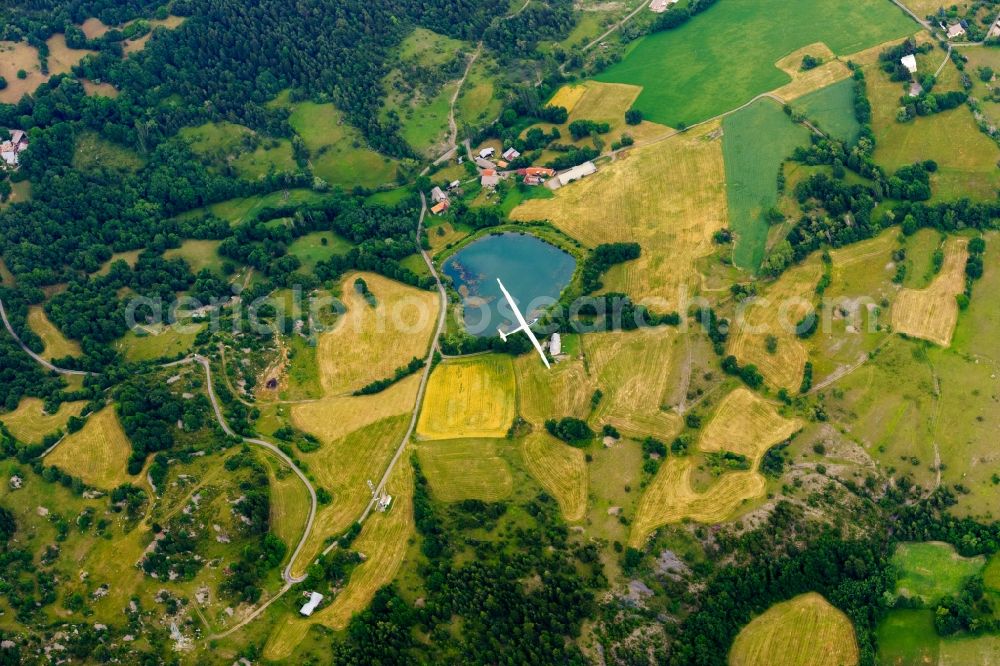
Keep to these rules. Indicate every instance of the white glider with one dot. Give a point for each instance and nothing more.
(523, 326)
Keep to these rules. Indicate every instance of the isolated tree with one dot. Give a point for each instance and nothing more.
(633, 116)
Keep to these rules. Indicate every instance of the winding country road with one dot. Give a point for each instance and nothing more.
(41, 361)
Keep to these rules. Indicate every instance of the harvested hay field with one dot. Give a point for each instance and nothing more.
(13, 57)
(98, 453)
(670, 197)
(804, 82)
(776, 314)
(603, 103)
(334, 417)
(344, 467)
(63, 59)
(669, 498)
(804, 631)
(632, 371)
(568, 96)
(561, 469)
(542, 394)
(56, 344)
(368, 343)
(465, 469)
(383, 541)
(440, 235)
(931, 313)
(469, 398)
(289, 502)
(746, 424)
(30, 424)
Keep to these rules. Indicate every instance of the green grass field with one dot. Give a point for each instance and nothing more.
(832, 110)
(199, 254)
(465, 469)
(477, 104)
(311, 249)
(907, 638)
(752, 171)
(166, 342)
(932, 570)
(337, 150)
(727, 54)
(93, 152)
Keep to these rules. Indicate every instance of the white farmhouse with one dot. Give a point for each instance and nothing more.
(310, 606)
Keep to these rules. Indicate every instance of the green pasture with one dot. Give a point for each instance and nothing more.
(316, 247)
(907, 638)
(832, 110)
(932, 570)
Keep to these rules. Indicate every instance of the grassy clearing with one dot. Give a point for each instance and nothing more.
(965, 168)
(776, 314)
(804, 631)
(477, 104)
(469, 398)
(560, 469)
(809, 81)
(153, 342)
(669, 498)
(383, 541)
(19, 193)
(244, 208)
(100, 89)
(199, 254)
(13, 57)
(464, 469)
(727, 53)
(367, 344)
(30, 424)
(931, 313)
(832, 110)
(632, 371)
(746, 424)
(338, 152)
(443, 234)
(565, 390)
(63, 59)
(136, 45)
(605, 103)
(226, 142)
(932, 570)
(752, 172)
(98, 453)
(333, 417)
(908, 638)
(669, 197)
(56, 344)
(93, 152)
(316, 247)
(289, 502)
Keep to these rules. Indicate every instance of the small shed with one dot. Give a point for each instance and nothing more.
(440, 207)
(308, 608)
(453, 184)
(487, 152)
(511, 154)
(555, 344)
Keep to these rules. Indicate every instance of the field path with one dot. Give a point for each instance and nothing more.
(41, 361)
(379, 489)
(452, 125)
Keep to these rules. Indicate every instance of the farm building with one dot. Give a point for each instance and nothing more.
(511, 154)
(660, 6)
(502, 164)
(555, 344)
(440, 207)
(490, 178)
(910, 63)
(383, 503)
(438, 195)
(487, 152)
(483, 163)
(454, 184)
(577, 172)
(543, 172)
(532, 180)
(955, 30)
(10, 150)
(308, 608)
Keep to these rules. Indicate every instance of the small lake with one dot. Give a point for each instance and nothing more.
(534, 272)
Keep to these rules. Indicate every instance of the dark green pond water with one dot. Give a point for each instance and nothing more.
(534, 272)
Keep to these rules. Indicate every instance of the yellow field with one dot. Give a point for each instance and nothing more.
(776, 313)
(670, 197)
(669, 498)
(564, 390)
(465, 469)
(562, 471)
(931, 313)
(632, 371)
(289, 502)
(30, 424)
(383, 541)
(603, 103)
(93, 28)
(98, 453)
(450, 235)
(746, 424)
(804, 631)
(62, 59)
(831, 71)
(368, 344)
(344, 467)
(56, 344)
(469, 398)
(568, 96)
(334, 417)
